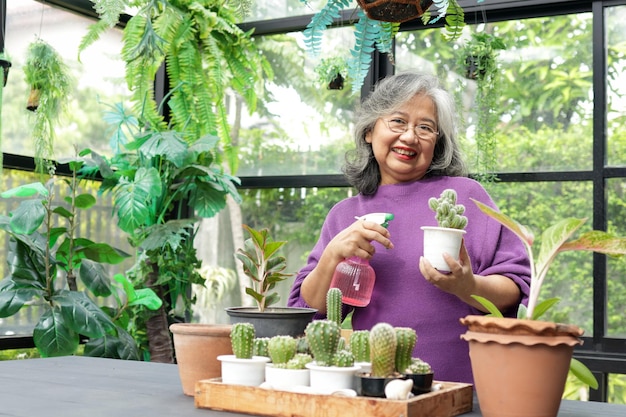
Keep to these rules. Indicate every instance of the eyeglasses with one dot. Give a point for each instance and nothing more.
(422, 131)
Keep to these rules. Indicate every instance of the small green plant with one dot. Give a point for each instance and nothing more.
(406, 338)
(242, 340)
(447, 212)
(263, 265)
(323, 339)
(360, 345)
(383, 344)
(299, 361)
(418, 367)
(331, 72)
(281, 349)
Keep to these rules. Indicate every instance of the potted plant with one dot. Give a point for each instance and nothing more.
(332, 72)
(421, 373)
(242, 367)
(5, 64)
(287, 368)
(62, 273)
(264, 265)
(478, 61)
(50, 86)
(543, 350)
(376, 28)
(447, 237)
(360, 348)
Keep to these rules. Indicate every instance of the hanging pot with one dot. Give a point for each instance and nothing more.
(6, 65)
(394, 10)
(520, 366)
(33, 99)
(336, 83)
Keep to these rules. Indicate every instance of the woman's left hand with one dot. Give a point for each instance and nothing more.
(460, 281)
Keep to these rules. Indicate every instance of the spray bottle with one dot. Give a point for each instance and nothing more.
(355, 276)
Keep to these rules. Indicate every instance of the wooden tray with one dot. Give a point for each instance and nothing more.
(451, 400)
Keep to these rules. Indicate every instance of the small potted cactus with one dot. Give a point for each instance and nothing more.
(421, 374)
(288, 367)
(447, 237)
(333, 365)
(242, 367)
(360, 348)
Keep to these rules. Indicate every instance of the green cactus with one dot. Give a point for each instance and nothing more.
(417, 366)
(242, 340)
(333, 305)
(323, 338)
(360, 345)
(299, 361)
(383, 350)
(259, 346)
(281, 349)
(302, 346)
(447, 212)
(343, 358)
(405, 342)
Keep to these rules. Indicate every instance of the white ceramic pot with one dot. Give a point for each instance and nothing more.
(440, 240)
(250, 372)
(286, 379)
(327, 379)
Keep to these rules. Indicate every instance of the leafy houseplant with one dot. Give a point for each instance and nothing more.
(478, 60)
(447, 237)
(332, 72)
(47, 261)
(263, 264)
(50, 82)
(374, 31)
(544, 348)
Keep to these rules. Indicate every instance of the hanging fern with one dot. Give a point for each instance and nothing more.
(320, 22)
(366, 32)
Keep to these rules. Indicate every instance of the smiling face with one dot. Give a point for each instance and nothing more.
(403, 157)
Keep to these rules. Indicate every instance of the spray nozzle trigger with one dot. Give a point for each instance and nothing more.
(380, 218)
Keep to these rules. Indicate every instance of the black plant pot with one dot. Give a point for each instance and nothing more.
(371, 386)
(336, 83)
(422, 383)
(289, 321)
(6, 65)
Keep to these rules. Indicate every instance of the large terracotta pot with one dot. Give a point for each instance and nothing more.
(197, 347)
(519, 366)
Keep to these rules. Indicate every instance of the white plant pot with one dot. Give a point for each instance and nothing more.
(440, 240)
(250, 372)
(328, 379)
(286, 379)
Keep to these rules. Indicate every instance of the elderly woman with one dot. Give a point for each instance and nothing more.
(406, 152)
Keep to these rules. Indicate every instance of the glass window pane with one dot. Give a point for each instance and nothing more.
(616, 88)
(276, 9)
(545, 100)
(616, 267)
(98, 77)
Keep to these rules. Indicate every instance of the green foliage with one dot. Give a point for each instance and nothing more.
(447, 212)
(47, 260)
(263, 264)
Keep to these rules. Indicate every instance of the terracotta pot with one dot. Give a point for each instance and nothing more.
(519, 366)
(394, 10)
(197, 347)
(438, 240)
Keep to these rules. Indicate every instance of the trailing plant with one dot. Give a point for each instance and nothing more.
(51, 84)
(47, 261)
(447, 212)
(554, 240)
(371, 34)
(263, 264)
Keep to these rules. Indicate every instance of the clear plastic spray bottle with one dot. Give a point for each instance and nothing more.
(355, 276)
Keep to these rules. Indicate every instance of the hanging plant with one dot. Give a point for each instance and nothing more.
(332, 72)
(478, 62)
(50, 85)
(5, 63)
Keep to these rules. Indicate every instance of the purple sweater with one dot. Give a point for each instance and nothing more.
(402, 296)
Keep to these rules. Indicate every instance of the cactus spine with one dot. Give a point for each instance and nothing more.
(383, 350)
(360, 345)
(447, 212)
(323, 338)
(405, 342)
(242, 340)
(333, 305)
(281, 349)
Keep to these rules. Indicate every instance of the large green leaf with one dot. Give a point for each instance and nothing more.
(132, 198)
(28, 216)
(146, 297)
(26, 190)
(25, 260)
(122, 346)
(169, 234)
(95, 278)
(207, 201)
(53, 337)
(167, 144)
(104, 253)
(13, 298)
(82, 315)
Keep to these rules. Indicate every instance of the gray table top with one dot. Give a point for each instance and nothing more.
(81, 386)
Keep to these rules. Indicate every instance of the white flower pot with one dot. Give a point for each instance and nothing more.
(327, 379)
(440, 240)
(250, 372)
(286, 379)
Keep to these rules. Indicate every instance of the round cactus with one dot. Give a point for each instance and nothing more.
(383, 350)
(259, 346)
(447, 212)
(299, 361)
(417, 366)
(333, 305)
(405, 342)
(281, 349)
(242, 340)
(343, 358)
(360, 345)
(323, 338)
(302, 346)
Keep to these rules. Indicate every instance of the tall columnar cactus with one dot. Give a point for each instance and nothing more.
(405, 342)
(333, 305)
(281, 349)
(360, 345)
(323, 338)
(447, 212)
(383, 350)
(242, 339)
(343, 358)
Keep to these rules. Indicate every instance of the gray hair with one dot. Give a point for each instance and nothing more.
(362, 170)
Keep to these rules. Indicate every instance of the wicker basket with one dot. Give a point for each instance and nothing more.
(394, 10)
